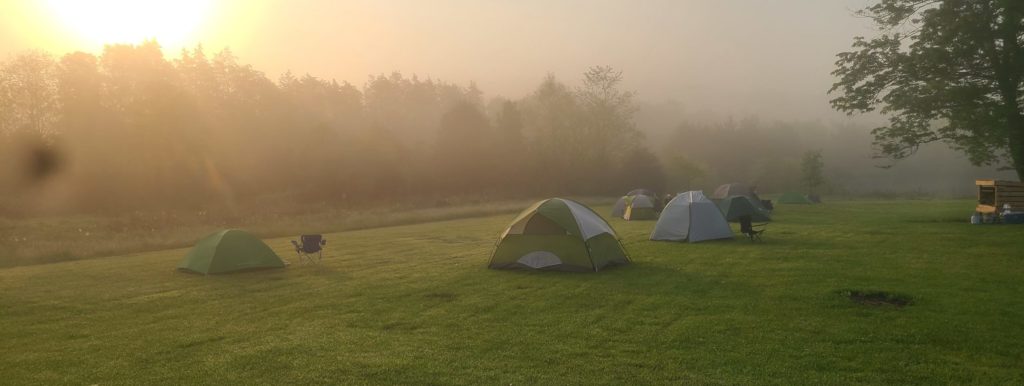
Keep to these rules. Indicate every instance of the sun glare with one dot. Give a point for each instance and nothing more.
(99, 22)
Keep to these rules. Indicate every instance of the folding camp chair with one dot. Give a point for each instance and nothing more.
(753, 231)
(308, 245)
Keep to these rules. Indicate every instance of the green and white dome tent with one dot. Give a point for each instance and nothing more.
(691, 217)
(734, 207)
(560, 235)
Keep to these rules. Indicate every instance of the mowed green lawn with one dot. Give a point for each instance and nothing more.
(416, 305)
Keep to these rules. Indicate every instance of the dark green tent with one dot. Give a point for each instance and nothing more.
(561, 235)
(735, 189)
(793, 198)
(229, 250)
(738, 189)
(734, 207)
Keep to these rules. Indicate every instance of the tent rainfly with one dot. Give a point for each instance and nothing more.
(229, 250)
(691, 217)
(734, 207)
(734, 189)
(560, 235)
(739, 189)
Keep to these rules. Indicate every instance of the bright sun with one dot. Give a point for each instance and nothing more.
(98, 22)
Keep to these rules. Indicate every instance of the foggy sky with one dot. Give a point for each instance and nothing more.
(735, 57)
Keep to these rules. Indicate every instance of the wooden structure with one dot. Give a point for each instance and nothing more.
(993, 194)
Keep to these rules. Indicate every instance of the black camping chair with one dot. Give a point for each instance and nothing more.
(753, 231)
(308, 245)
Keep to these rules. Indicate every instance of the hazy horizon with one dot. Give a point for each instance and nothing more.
(725, 91)
(733, 58)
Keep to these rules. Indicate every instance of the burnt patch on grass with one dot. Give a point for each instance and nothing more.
(877, 298)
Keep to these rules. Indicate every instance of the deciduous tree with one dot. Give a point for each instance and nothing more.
(811, 168)
(941, 70)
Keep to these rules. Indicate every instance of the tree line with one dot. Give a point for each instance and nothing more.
(129, 128)
(132, 129)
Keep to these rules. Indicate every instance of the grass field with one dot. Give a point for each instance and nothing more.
(416, 305)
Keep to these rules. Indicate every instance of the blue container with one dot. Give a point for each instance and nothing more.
(1013, 218)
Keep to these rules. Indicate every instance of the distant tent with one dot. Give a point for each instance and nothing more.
(623, 203)
(229, 250)
(815, 198)
(560, 235)
(619, 209)
(734, 207)
(734, 189)
(639, 207)
(692, 217)
(739, 189)
(793, 198)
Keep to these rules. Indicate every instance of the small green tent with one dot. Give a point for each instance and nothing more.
(734, 207)
(738, 189)
(793, 198)
(561, 235)
(229, 250)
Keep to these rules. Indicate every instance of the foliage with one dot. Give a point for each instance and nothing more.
(811, 170)
(551, 115)
(942, 70)
(684, 173)
(769, 154)
(463, 149)
(736, 151)
(140, 131)
(28, 94)
(640, 169)
(607, 133)
(509, 124)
